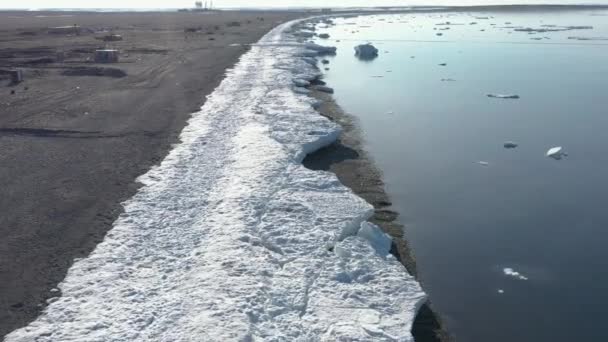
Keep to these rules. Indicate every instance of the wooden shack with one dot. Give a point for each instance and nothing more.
(15, 75)
(106, 56)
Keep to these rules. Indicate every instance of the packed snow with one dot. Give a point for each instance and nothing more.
(231, 238)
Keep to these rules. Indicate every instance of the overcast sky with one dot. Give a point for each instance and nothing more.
(259, 3)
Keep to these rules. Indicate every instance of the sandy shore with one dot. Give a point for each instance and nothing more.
(348, 159)
(74, 137)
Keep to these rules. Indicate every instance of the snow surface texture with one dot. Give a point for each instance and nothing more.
(231, 238)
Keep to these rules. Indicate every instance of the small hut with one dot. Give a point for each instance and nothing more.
(106, 56)
(16, 76)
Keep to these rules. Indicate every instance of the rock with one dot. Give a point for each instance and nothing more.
(510, 144)
(324, 35)
(325, 61)
(439, 34)
(366, 51)
(304, 34)
(320, 49)
(443, 64)
(556, 153)
(324, 89)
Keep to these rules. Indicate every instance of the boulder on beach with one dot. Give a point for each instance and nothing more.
(324, 35)
(366, 51)
(510, 144)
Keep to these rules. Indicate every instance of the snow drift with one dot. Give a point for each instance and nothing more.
(231, 238)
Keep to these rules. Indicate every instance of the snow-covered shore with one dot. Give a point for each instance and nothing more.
(231, 238)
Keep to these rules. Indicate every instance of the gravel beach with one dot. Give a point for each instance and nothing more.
(75, 135)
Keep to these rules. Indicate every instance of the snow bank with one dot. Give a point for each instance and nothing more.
(231, 238)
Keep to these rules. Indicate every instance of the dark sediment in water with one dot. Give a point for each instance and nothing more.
(349, 161)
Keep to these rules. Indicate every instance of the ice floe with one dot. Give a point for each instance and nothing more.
(230, 238)
(503, 96)
(512, 273)
(556, 153)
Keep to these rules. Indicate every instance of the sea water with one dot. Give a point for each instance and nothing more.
(510, 244)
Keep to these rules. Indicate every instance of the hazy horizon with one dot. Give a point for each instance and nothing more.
(141, 4)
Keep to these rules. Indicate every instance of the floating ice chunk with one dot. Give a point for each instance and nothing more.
(501, 291)
(510, 144)
(300, 82)
(556, 153)
(503, 96)
(482, 163)
(376, 237)
(512, 273)
(366, 51)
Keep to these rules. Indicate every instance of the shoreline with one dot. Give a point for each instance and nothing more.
(350, 162)
(316, 266)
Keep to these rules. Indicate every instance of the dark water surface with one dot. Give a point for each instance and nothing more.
(544, 218)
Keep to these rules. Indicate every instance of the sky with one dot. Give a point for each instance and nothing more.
(263, 3)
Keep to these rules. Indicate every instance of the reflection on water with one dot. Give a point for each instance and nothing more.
(510, 244)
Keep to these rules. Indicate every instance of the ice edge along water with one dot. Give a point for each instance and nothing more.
(231, 238)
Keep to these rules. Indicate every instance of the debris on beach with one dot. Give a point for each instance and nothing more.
(556, 153)
(510, 144)
(512, 273)
(503, 96)
(366, 51)
(106, 56)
